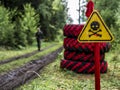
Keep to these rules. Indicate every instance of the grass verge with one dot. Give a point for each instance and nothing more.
(15, 64)
(54, 78)
(4, 54)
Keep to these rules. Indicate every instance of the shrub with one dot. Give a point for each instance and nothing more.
(6, 28)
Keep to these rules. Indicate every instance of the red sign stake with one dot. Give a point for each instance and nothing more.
(83, 37)
(97, 66)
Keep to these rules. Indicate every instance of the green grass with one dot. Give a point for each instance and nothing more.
(15, 64)
(4, 54)
(54, 78)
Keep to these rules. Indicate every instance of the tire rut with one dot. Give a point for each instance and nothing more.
(23, 56)
(20, 75)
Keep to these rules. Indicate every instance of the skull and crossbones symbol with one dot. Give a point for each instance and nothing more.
(95, 29)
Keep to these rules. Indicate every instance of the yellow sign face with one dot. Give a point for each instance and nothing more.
(95, 30)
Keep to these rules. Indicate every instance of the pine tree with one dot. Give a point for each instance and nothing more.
(29, 23)
(6, 28)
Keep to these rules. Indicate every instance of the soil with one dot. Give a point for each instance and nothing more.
(21, 75)
(23, 56)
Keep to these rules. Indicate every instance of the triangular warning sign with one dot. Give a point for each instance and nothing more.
(95, 30)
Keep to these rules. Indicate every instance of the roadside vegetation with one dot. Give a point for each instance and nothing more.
(4, 54)
(53, 77)
(17, 63)
(19, 20)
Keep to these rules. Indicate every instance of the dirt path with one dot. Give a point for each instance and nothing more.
(23, 56)
(19, 76)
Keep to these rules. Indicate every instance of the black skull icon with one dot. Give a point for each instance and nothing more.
(95, 28)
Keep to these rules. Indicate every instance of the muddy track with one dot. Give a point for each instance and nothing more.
(23, 56)
(19, 76)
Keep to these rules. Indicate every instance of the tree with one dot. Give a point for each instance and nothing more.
(117, 31)
(58, 19)
(107, 10)
(29, 23)
(110, 12)
(12, 4)
(52, 16)
(6, 28)
(23, 20)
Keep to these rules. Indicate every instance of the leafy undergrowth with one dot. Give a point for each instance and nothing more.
(54, 78)
(15, 64)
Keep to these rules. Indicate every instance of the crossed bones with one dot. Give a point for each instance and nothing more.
(95, 33)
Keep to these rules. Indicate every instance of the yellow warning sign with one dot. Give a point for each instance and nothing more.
(95, 30)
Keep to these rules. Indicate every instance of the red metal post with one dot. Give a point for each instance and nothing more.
(97, 66)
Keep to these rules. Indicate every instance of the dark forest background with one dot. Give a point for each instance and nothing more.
(19, 20)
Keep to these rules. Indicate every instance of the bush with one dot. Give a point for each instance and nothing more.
(29, 23)
(6, 28)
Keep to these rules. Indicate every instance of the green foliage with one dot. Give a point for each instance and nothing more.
(19, 36)
(52, 18)
(116, 29)
(29, 23)
(55, 78)
(107, 10)
(59, 13)
(20, 62)
(45, 12)
(110, 12)
(24, 20)
(6, 28)
(12, 4)
(21, 31)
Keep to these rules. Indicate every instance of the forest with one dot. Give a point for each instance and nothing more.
(62, 63)
(20, 19)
